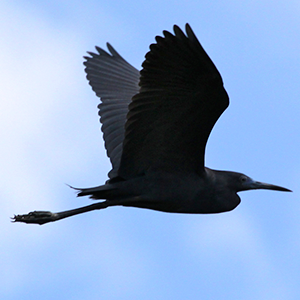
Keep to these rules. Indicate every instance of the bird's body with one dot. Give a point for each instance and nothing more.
(170, 192)
(155, 125)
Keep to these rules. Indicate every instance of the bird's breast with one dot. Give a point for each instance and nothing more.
(181, 193)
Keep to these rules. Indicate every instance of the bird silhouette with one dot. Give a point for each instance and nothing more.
(155, 125)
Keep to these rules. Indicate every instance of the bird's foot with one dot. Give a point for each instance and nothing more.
(35, 217)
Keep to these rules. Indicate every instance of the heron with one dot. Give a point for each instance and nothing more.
(155, 126)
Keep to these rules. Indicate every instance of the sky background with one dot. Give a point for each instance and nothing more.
(50, 136)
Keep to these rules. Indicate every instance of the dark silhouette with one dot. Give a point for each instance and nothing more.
(155, 125)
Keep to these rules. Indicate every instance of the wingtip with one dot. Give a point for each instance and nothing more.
(179, 33)
(189, 31)
(112, 50)
(188, 27)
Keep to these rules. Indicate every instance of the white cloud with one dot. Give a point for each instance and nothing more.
(231, 242)
(37, 79)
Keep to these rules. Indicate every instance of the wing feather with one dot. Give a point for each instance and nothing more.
(180, 99)
(115, 81)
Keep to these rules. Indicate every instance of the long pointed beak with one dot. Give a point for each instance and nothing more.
(267, 186)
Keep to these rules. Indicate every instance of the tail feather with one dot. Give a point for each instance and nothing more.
(98, 192)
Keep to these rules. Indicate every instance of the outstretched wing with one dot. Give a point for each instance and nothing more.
(180, 99)
(115, 81)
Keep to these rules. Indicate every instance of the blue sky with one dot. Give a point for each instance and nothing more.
(50, 136)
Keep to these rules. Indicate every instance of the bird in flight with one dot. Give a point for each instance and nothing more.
(155, 126)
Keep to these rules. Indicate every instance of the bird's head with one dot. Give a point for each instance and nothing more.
(241, 182)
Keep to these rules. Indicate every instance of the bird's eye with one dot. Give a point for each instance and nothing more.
(243, 179)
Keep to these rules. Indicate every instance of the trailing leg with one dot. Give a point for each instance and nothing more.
(42, 217)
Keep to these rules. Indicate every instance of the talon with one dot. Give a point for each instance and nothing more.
(35, 217)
